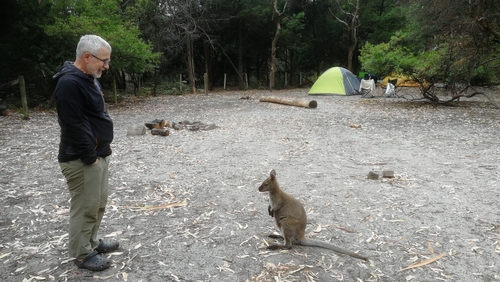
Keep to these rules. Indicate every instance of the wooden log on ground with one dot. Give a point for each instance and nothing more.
(160, 131)
(291, 102)
(372, 175)
(388, 174)
(157, 123)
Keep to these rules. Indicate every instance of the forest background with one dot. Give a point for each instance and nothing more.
(249, 44)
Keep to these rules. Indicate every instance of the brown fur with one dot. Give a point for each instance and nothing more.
(291, 219)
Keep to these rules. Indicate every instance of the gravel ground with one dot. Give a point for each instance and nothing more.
(185, 207)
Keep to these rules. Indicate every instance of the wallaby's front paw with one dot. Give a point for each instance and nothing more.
(270, 210)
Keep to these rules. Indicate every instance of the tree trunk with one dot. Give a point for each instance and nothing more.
(353, 36)
(350, 55)
(123, 79)
(208, 64)
(351, 25)
(277, 23)
(292, 68)
(272, 72)
(190, 62)
(241, 81)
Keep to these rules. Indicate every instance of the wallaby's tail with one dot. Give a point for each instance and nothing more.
(326, 245)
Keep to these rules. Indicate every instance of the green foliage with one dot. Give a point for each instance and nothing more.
(380, 20)
(481, 76)
(38, 36)
(443, 63)
(167, 87)
(292, 30)
(431, 40)
(25, 49)
(387, 58)
(254, 83)
(130, 53)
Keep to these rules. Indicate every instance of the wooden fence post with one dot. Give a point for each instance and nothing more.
(24, 101)
(115, 93)
(205, 78)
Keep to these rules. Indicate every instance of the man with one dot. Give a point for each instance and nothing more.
(84, 149)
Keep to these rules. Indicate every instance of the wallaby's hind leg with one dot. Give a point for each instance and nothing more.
(275, 246)
(289, 234)
(287, 245)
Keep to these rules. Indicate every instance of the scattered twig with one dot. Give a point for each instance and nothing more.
(422, 263)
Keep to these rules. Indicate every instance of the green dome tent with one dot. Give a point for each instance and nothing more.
(335, 81)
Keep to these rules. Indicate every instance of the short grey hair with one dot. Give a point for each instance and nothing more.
(92, 44)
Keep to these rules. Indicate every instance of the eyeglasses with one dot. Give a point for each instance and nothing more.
(106, 62)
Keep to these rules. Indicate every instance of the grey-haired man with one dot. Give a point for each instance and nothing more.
(84, 149)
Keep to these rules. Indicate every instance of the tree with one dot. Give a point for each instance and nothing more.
(251, 23)
(277, 23)
(295, 42)
(458, 51)
(183, 29)
(381, 19)
(38, 36)
(464, 35)
(158, 39)
(130, 54)
(27, 50)
(485, 15)
(350, 19)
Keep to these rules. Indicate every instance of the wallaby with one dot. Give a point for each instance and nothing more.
(291, 219)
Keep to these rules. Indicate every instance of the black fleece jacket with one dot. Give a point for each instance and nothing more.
(86, 128)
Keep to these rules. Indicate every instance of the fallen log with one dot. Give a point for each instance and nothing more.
(160, 131)
(157, 123)
(291, 102)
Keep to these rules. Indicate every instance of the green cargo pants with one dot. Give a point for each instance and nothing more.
(88, 188)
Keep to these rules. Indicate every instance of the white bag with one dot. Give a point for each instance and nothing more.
(389, 91)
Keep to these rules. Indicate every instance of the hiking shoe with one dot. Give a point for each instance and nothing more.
(94, 262)
(106, 247)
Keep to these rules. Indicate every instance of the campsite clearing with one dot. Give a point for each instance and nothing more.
(185, 207)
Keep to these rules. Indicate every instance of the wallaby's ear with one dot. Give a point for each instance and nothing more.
(273, 173)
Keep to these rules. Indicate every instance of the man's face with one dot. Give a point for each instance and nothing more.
(99, 62)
